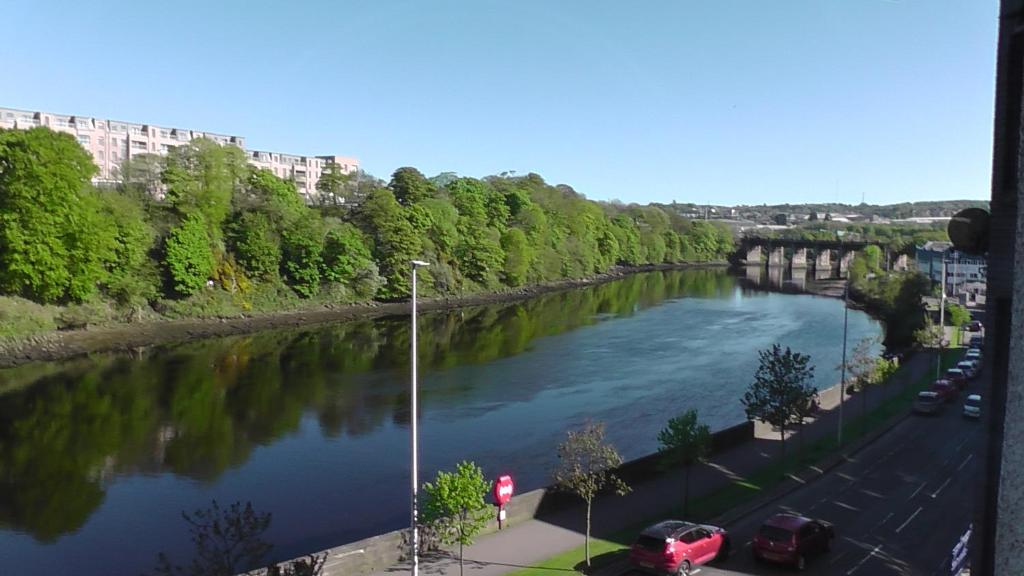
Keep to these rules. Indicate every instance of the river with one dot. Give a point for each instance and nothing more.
(100, 456)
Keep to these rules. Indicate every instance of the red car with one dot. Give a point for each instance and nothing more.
(946, 390)
(675, 547)
(791, 539)
(957, 377)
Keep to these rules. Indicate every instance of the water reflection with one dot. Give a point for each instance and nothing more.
(196, 410)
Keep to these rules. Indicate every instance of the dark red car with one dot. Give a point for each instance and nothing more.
(957, 377)
(675, 547)
(791, 539)
(946, 390)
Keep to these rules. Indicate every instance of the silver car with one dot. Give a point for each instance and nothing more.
(928, 402)
(972, 406)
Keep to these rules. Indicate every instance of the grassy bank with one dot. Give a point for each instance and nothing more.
(613, 547)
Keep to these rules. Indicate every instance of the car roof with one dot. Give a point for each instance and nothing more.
(666, 528)
(787, 521)
(927, 394)
(953, 370)
(975, 397)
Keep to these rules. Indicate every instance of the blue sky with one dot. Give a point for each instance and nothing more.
(714, 101)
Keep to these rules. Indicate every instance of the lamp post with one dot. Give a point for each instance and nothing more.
(842, 378)
(942, 320)
(412, 431)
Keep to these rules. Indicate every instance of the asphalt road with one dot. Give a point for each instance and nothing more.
(899, 507)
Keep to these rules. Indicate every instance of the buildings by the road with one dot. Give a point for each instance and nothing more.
(111, 142)
(966, 274)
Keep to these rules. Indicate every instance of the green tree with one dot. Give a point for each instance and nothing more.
(958, 315)
(201, 177)
(585, 464)
(332, 187)
(47, 251)
(781, 390)
(685, 441)
(395, 242)
(862, 371)
(347, 260)
(302, 247)
(227, 542)
(256, 244)
(517, 256)
(133, 277)
(188, 258)
(410, 186)
(455, 506)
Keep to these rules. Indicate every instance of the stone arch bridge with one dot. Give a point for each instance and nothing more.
(801, 254)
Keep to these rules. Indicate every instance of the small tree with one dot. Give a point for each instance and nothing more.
(685, 441)
(958, 315)
(862, 369)
(585, 462)
(930, 335)
(227, 541)
(455, 506)
(781, 393)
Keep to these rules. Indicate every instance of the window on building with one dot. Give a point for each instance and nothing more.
(83, 139)
(114, 155)
(101, 141)
(83, 124)
(114, 127)
(138, 145)
(100, 155)
(62, 122)
(136, 130)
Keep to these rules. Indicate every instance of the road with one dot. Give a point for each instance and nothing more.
(899, 506)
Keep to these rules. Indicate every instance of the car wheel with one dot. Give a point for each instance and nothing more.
(684, 568)
(801, 563)
(724, 551)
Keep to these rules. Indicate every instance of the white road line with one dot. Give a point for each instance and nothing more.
(847, 506)
(863, 560)
(962, 444)
(912, 516)
(886, 519)
(944, 484)
(964, 463)
(872, 493)
(919, 488)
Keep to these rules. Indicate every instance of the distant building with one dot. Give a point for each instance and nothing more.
(110, 142)
(966, 274)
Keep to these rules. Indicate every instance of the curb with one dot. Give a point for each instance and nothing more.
(822, 468)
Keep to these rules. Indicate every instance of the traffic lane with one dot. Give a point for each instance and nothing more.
(898, 508)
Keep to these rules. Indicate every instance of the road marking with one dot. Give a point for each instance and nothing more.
(863, 560)
(964, 463)
(962, 443)
(872, 493)
(912, 516)
(944, 484)
(886, 519)
(847, 506)
(837, 557)
(919, 488)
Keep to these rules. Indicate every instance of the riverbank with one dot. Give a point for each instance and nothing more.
(60, 345)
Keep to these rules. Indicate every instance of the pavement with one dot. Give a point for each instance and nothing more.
(903, 460)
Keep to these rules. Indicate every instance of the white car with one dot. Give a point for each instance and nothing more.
(968, 367)
(972, 406)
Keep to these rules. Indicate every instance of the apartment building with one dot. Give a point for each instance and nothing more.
(966, 274)
(110, 142)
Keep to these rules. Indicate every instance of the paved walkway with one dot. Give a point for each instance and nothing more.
(538, 539)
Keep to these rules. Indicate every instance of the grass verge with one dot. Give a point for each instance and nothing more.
(612, 547)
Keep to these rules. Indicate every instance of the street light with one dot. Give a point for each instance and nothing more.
(412, 431)
(842, 378)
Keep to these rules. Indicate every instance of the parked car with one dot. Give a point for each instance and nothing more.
(977, 343)
(956, 376)
(675, 547)
(928, 402)
(974, 326)
(972, 406)
(973, 354)
(946, 390)
(969, 368)
(791, 539)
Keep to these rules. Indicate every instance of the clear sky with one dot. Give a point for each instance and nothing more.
(713, 101)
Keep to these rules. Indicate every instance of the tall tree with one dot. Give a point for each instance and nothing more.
(454, 504)
(54, 240)
(410, 186)
(395, 242)
(585, 463)
(332, 187)
(188, 258)
(201, 177)
(781, 389)
(685, 441)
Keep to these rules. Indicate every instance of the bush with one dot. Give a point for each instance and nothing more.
(21, 318)
(189, 261)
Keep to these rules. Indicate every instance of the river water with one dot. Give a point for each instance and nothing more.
(100, 456)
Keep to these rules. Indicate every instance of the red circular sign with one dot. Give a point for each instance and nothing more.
(503, 488)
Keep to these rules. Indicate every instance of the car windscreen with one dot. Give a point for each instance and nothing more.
(650, 543)
(776, 534)
(972, 403)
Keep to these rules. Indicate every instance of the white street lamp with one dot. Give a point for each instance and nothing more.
(412, 431)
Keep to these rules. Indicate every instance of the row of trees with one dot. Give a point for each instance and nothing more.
(201, 222)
